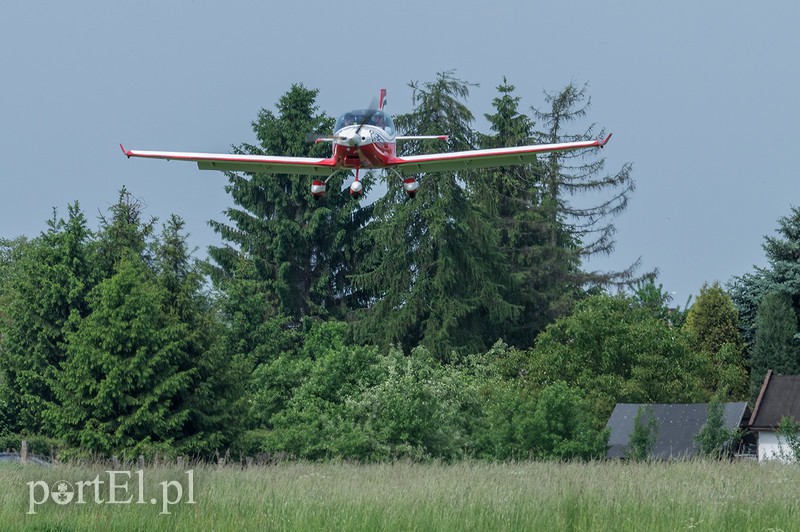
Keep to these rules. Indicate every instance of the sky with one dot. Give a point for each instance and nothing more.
(701, 97)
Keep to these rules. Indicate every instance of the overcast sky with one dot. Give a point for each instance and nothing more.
(702, 98)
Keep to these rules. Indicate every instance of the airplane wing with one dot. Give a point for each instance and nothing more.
(489, 158)
(243, 163)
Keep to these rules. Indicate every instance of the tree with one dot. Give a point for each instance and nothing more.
(215, 400)
(789, 432)
(653, 297)
(511, 197)
(782, 275)
(563, 428)
(644, 434)
(714, 440)
(713, 320)
(434, 270)
(46, 281)
(301, 248)
(775, 346)
(713, 327)
(578, 233)
(124, 377)
(618, 352)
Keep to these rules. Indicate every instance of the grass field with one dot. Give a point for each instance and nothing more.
(406, 496)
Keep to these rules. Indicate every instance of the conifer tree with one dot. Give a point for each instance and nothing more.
(512, 197)
(47, 282)
(775, 346)
(301, 248)
(578, 233)
(214, 400)
(124, 375)
(781, 275)
(435, 271)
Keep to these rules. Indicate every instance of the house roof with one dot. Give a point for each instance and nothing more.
(677, 426)
(779, 397)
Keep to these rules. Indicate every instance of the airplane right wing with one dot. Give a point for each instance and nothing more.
(488, 158)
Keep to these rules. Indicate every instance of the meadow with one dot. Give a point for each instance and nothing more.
(616, 496)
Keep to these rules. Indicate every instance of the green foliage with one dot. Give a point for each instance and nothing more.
(775, 346)
(45, 281)
(420, 410)
(434, 269)
(713, 328)
(563, 427)
(714, 440)
(782, 275)
(713, 320)
(618, 352)
(542, 273)
(109, 342)
(123, 374)
(42, 446)
(789, 433)
(301, 248)
(644, 435)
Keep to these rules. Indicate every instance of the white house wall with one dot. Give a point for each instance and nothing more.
(772, 447)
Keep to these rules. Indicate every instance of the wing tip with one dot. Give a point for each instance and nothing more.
(603, 142)
(126, 152)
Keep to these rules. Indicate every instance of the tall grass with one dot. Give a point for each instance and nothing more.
(407, 496)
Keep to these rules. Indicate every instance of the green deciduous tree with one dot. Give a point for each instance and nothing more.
(714, 440)
(713, 320)
(618, 351)
(644, 434)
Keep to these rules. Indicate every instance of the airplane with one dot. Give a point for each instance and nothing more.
(366, 138)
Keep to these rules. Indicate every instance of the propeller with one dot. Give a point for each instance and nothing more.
(372, 109)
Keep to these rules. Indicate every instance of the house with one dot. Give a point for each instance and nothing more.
(779, 397)
(676, 424)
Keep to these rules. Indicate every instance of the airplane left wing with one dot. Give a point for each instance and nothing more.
(489, 158)
(243, 163)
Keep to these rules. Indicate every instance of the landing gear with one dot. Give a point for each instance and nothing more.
(411, 186)
(356, 188)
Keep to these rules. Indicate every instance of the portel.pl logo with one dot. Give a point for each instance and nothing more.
(113, 490)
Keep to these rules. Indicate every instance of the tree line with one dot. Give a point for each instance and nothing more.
(458, 324)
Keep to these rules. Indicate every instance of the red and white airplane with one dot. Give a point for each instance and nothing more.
(366, 138)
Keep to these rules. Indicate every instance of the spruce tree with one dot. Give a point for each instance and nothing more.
(47, 281)
(123, 376)
(512, 197)
(578, 233)
(215, 396)
(301, 248)
(781, 275)
(775, 346)
(435, 270)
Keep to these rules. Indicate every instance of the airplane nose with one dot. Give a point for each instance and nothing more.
(353, 138)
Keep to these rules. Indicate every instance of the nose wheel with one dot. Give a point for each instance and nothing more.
(356, 187)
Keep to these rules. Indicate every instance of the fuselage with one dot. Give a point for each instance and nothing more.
(364, 138)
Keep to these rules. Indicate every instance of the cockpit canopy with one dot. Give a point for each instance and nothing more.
(373, 117)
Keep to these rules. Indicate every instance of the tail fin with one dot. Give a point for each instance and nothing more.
(382, 100)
